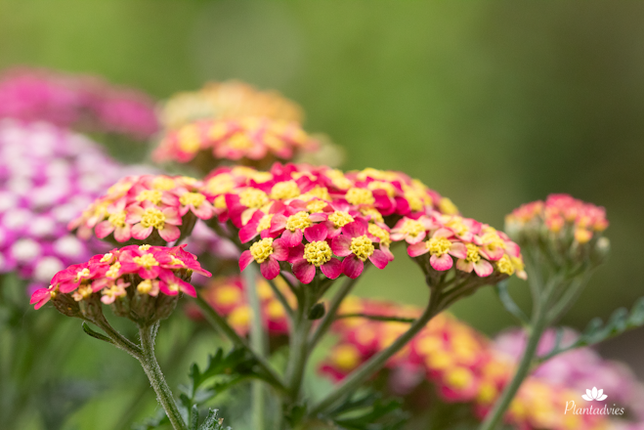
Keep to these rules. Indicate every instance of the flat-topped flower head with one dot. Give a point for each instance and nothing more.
(329, 220)
(147, 208)
(249, 140)
(141, 283)
(570, 229)
(225, 100)
(463, 246)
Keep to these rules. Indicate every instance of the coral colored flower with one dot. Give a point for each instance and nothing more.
(138, 206)
(130, 274)
(230, 99)
(442, 246)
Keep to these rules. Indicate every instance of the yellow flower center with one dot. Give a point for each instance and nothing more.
(459, 378)
(220, 184)
(194, 199)
(262, 249)
(379, 185)
(319, 192)
(144, 286)
(504, 265)
(83, 292)
(381, 234)
(153, 196)
(346, 357)
(360, 196)
(362, 247)
(275, 310)
(373, 213)
(147, 261)
(113, 271)
(264, 223)
(189, 140)
(239, 141)
(220, 202)
(473, 255)
(253, 198)
(338, 179)
(285, 190)
(456, 224)
(447, 207)
(438, 246)
(228, 295)
(117, 219)
(106, 257)
(340, 219)
(218, 130)
(176, 262)
(317, 252)
(316, 206)
(300, 220)
(82, 274)
(414, 200)
(412, 228)
(153, 218)
(163, 183)
(145, 247)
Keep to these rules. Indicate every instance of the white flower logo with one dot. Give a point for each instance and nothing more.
(594, 394)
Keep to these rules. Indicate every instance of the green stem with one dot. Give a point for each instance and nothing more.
(258, 344)
(375, 363)
(282, 299)
(298, 351)
(502, 404)
(328, 319)
(151, 367)
(219, 322)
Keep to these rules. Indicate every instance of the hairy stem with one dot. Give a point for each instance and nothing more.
(151, 367)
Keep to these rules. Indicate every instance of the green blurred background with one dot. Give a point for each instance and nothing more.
(493, 104)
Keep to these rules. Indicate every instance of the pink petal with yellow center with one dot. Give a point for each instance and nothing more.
(483, 268)
(458, 250)
(341, 246)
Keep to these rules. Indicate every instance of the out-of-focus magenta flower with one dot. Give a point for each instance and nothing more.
(47, 176)
(76, 101)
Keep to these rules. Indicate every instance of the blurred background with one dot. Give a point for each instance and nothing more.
(493, 104)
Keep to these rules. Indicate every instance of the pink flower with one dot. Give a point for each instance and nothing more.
(268, 253)
(441, 248)
(357, 247)
(316, 253)
(147, 217)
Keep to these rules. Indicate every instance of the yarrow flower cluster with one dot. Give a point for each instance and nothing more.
(440, 242)
(568, 227)
(230, 99)
(140, 282)
(227, 296)
(247, 140)
(47, 176)
(316, 217)
(459, 362)
(76, 101)
(151, 208)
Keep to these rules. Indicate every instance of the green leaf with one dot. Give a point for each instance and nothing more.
(619, 322)
(317, 311)
(369, 412)
(509, 304)
(87, 329)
